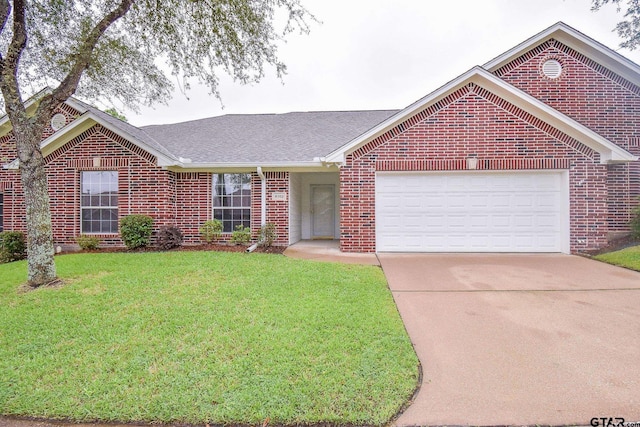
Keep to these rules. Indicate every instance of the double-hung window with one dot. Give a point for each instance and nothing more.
(99, 202)
(232, 200)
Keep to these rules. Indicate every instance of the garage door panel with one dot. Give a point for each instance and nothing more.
(499, 201)
(431, 202)
(470, 212)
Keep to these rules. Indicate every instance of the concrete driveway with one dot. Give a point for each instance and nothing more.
(519, 339)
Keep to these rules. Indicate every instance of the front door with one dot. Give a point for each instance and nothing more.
(322, 211)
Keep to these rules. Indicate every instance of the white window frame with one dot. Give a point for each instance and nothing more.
(97, 192)
(227, 202)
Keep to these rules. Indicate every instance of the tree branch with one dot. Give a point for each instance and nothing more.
(83, 59)
(9, 82)
(5, 10)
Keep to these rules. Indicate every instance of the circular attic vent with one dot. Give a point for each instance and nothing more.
(552, 68)
(58, 121)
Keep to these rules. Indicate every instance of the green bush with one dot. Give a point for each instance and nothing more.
(211, 230)
(635, 222)
(87, 242)
(135, 230)
(169, 237)
(241, 235)
(268, 234)
(13, 246)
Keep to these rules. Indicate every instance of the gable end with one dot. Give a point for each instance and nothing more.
(98, 129)
(473, 89)
(563, 48)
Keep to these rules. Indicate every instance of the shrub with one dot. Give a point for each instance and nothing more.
(268, 234)
(88, 243)
(241, 235)
(635, 222)
(135, 230)
(13, 246)
(169, 237)
(211, 230)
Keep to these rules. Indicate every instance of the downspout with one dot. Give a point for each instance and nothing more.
(263, 206)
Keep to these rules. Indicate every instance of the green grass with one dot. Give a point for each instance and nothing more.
(629, 258)
(203, 337)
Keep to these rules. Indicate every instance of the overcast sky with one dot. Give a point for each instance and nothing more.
(385, 54)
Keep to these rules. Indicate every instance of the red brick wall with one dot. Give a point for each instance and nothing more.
(277, 210)
(143, 187)
(597, 98)
(473, 121)
(194, 203)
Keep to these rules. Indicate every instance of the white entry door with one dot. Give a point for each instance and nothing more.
(323, 211)
(472, 212)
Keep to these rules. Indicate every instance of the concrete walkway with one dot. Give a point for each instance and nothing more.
(519, 339)
(329, 251)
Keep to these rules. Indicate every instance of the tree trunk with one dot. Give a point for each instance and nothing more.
(40, 262)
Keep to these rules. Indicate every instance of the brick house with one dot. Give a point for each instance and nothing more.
(536, 151)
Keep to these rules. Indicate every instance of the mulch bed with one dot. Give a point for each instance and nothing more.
(190, 248)
(617, 244)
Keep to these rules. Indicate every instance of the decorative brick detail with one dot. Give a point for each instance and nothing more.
(461, 164)
(98, 163)
(5, 185)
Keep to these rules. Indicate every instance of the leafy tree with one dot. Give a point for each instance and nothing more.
(115, 113)
(111, 50)
(629, 28)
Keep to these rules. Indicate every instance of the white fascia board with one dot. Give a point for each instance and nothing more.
(581, 43)
(14, 165)
(71, 102)
(338, 156)
(85, 122)
(5, 124)
(609, 152)
(315, 166)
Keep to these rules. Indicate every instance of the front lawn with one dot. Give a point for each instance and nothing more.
(204, 337)
(629, 258)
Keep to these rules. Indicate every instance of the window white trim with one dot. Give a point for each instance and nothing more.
(231, 199)
(100, 197)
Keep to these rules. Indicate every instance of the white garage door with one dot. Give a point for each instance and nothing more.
(472, 212)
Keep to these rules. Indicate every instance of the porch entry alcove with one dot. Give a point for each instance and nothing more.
(314, 206)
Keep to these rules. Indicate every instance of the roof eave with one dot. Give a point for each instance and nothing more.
(293, 166)
(30, 105)
(86, 121)
(609, 152)
(339, 155)
(580, 43)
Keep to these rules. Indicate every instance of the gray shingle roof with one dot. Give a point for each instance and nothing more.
(135, 132)
(256, 138)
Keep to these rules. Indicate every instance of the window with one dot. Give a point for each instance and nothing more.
(232, 200)
(1, 212)
(99, 202)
